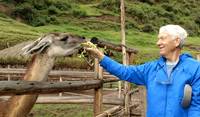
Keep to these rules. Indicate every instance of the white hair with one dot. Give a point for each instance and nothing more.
(175, 31)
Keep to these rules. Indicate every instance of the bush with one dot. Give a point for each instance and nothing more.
(78, 13)
(39, 4)
(24, 11)
(112, 5)
(167, 7)
(137, 13)
(52, 20)
(148, 28)
(85, 1)
(63, 6)
(3, 15)
(14, 1)
(53, 10)
(148, 1)
(197, 20)
(39, 21)
(35, 12)
(132, 25)
(169, 15)
(191, 28)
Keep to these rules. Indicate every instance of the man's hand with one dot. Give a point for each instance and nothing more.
(92, 49)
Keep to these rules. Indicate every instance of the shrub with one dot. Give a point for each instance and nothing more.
(78, 13)
(148, 28)
(168, 7)
(147, 1)
(52, 20)
(85, 1)
(112, 5)
(53, 10)
(3, 15)
(197, 20)
(131, 25)
(191, 27)
(62, 5)
(24, 11)
(137, 13)
(14, 1)
(39, 21)
(169, 15)
(39, 4)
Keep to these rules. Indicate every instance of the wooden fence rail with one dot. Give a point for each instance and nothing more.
(37, 87)
(110, 111)
(73, 100)
(66, 74)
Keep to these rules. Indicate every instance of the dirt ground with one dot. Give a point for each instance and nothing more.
(82, 110)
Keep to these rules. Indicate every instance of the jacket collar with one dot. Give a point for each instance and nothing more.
(161, 62)
(182, 57)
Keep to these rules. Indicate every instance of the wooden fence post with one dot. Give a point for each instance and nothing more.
(9, 77)
(198, 57)
(125, 61)
(60, 79)
(142, 92)
(98, 97)
(127, 88)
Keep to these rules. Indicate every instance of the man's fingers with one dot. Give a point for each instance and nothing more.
(91, 49)
(88, 44)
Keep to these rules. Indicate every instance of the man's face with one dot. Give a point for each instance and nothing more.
(167, 44)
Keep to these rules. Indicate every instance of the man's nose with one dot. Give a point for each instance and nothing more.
(158, 42)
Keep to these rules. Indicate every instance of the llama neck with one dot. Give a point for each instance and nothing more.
(20, 106)
(40, 67)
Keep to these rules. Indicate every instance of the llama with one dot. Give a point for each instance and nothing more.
(44, 50)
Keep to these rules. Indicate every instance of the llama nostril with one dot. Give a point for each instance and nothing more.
(83, 38)
(64, 39)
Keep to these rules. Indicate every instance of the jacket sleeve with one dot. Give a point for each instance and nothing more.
(133, 74)
(194, 109)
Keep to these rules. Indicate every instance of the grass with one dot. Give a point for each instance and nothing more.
(62, 110)
(13, 32)
(90, 10)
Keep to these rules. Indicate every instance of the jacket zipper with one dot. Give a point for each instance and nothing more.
(170, 80)
(167, 86)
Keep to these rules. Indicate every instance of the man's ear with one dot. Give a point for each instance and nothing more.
(177, 42)
(37, 46)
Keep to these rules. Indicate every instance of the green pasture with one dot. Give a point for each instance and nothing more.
(13, 32)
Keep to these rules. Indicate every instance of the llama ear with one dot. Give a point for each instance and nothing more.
(37, 46)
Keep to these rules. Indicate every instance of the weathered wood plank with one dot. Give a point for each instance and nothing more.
(65, 73)
(35, 87)
(53, 73)
(198, 57)
(73, 100)
(98, 96)
(109, 112)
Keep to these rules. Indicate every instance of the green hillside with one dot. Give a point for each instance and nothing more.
(22, 20)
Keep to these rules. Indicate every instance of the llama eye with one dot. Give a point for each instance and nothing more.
(64, 39)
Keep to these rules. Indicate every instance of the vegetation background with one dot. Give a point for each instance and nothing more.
(23, 20)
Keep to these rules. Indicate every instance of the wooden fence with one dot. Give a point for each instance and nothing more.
(71, 81)
(15, 86)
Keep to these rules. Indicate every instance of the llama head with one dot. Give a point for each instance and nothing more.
(55, 44)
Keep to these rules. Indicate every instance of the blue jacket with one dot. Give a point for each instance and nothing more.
(164, 95)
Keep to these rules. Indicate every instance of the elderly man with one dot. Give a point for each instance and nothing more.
(164, 78)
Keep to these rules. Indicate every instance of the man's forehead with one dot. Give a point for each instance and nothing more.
(163, 34)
